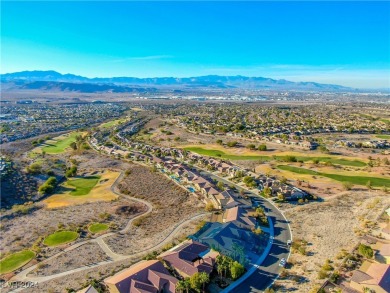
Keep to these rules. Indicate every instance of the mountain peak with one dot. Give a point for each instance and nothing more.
(212, 81)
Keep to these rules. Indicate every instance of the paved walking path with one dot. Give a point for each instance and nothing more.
(113, 257)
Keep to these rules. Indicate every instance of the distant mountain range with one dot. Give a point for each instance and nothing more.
(52, 80)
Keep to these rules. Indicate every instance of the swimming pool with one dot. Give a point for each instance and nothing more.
(191, 189)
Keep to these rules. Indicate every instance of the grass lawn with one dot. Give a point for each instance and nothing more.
(15, 261)
(387, 121)
(383, 136)
(100, 191)
(359, 180)
(60, 237)
(221, 154)
(58, 145)
(83, 185)
(111, 123)
(97, 227)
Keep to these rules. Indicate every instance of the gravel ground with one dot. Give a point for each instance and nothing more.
(86, 254)
(329, 227)
(43, 221)
(171, 205)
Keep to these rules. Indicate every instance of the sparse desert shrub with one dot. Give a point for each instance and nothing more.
(209, 207)
(365, 251)
(322, 274)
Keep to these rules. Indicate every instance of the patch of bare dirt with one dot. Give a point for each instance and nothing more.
(171, 205)
(20, 231)
(328, 227)
(87, 254)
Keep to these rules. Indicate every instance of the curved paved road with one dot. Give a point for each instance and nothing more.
(269, 270)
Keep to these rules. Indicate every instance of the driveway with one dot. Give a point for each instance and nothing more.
(269, 270)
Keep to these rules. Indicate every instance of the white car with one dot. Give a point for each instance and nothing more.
(282, 262)
(289, 242)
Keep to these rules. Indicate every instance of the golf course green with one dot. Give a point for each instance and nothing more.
(60, 237)
(59, 145)
(15, 261)
(83, 185)
(359, 180)
(221, 154)
(97, 227)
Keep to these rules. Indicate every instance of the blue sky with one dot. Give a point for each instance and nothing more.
(345, 43)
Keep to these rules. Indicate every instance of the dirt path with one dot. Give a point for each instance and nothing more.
(23, 275)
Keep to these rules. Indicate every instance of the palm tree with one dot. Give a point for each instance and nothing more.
(204, 278)
(220, 270)
(181, 285)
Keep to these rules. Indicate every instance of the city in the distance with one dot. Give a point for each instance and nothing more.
(184, 147)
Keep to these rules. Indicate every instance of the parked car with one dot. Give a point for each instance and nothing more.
(282, 262)
(289, 242)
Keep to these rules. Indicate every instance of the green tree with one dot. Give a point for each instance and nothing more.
(236, 270)
(183, 285)
(221, 186)
(219, 141)
(267, 192)
(204, 278)
(71, 172)
(262, 147)
(251, 146)
(49, 186)
(196, 282)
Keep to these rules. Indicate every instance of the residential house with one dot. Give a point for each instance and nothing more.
(226, 199)
(372, 276)
(229, 239)
(148, 276)
(190, 257)
(240, 217)
(382, 252)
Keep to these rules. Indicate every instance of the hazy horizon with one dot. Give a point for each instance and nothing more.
(343, 43)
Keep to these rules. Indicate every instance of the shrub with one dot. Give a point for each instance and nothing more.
(49, 186)
(347, 185)
(232, 144)
(71, 172)
(209, 207)
(34, 168)
(291, 159)
(365, 251)
(262, 147)
(322, 274)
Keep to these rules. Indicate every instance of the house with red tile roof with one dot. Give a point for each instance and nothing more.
(240, 217)
(382, 252)
(373, 276)
(190, 257)
(148, 276)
